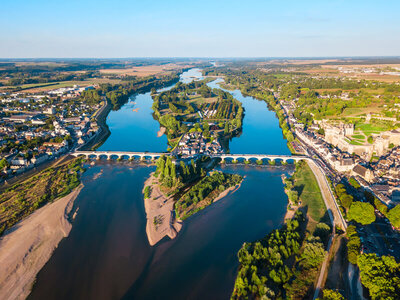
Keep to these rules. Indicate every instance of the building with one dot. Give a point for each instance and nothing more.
(363, 172)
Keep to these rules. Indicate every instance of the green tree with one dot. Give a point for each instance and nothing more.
(4, 163)
(331, 295)
(394, 216)
(362, 213)
(380, 275)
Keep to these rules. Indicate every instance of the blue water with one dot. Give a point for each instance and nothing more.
(261, 133)
(137, 130)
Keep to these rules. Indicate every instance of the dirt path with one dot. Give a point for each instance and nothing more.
(28, 245)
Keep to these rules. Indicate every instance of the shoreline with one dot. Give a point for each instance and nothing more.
(161, 207)
(161, 132)
(27, 246)
(158, 206)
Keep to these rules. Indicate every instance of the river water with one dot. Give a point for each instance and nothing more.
(107, 255)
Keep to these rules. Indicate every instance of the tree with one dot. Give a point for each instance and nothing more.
(226, 129)
(4, 163)
(362, 213)
(322, 230)
(353, 244)
(380, 275)
(394, 216)
(331, 295)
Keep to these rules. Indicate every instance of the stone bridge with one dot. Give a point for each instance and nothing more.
(152, 155)
(118, 154)
(248, 157)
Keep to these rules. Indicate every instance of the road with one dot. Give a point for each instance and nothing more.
(330, 201)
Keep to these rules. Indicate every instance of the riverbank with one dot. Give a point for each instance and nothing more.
(101, 118)
(27, 246)
(159, 208)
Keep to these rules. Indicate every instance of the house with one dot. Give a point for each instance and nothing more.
(38, 159)
(19, 161)
(363, 172)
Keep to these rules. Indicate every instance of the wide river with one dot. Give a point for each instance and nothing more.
(107, 255)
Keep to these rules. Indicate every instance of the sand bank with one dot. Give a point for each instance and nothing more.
(159, 207)
(28, 245)
(160, 213)
(161, 131)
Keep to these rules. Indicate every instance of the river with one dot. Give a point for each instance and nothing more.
(107, 255)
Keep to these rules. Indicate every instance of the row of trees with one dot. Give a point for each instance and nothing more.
(171, 175)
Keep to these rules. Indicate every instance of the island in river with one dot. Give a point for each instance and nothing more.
(174, 192)
(197, 119)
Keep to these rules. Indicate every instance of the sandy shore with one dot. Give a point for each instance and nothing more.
(28, 245)
(225, 193)
(158, 206)
(161, 131)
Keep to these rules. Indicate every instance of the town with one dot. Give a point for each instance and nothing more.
(41, 127)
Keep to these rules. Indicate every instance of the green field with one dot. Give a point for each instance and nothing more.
(309, 193)
(368, 129)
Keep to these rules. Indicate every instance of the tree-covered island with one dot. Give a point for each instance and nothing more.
(196, 118)
(176, 191)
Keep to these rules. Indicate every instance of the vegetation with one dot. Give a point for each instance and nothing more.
(204, 192)
(353, 244)
(147, 191)
(308, 190)
(380, 275)
(345, 199)
(192, 187)
(118, 94)
(331, 295)
(354, 183)
(281, 265)
(362, 213)
(192, 106)
(22, 199)
(394, 216)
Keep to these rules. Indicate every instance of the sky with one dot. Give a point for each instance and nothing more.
(202, 28)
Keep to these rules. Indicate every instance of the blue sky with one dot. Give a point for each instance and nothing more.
(155, 28)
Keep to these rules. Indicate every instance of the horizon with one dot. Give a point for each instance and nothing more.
(207, 57)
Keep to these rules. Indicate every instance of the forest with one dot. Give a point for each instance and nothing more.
(193, 188)
(284, 264)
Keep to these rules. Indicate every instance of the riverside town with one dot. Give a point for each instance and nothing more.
(166, 150)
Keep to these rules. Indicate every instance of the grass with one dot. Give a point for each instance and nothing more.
(356, 142)
(23, 198)
(309, 193)
(358, 137)
(368, 129)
